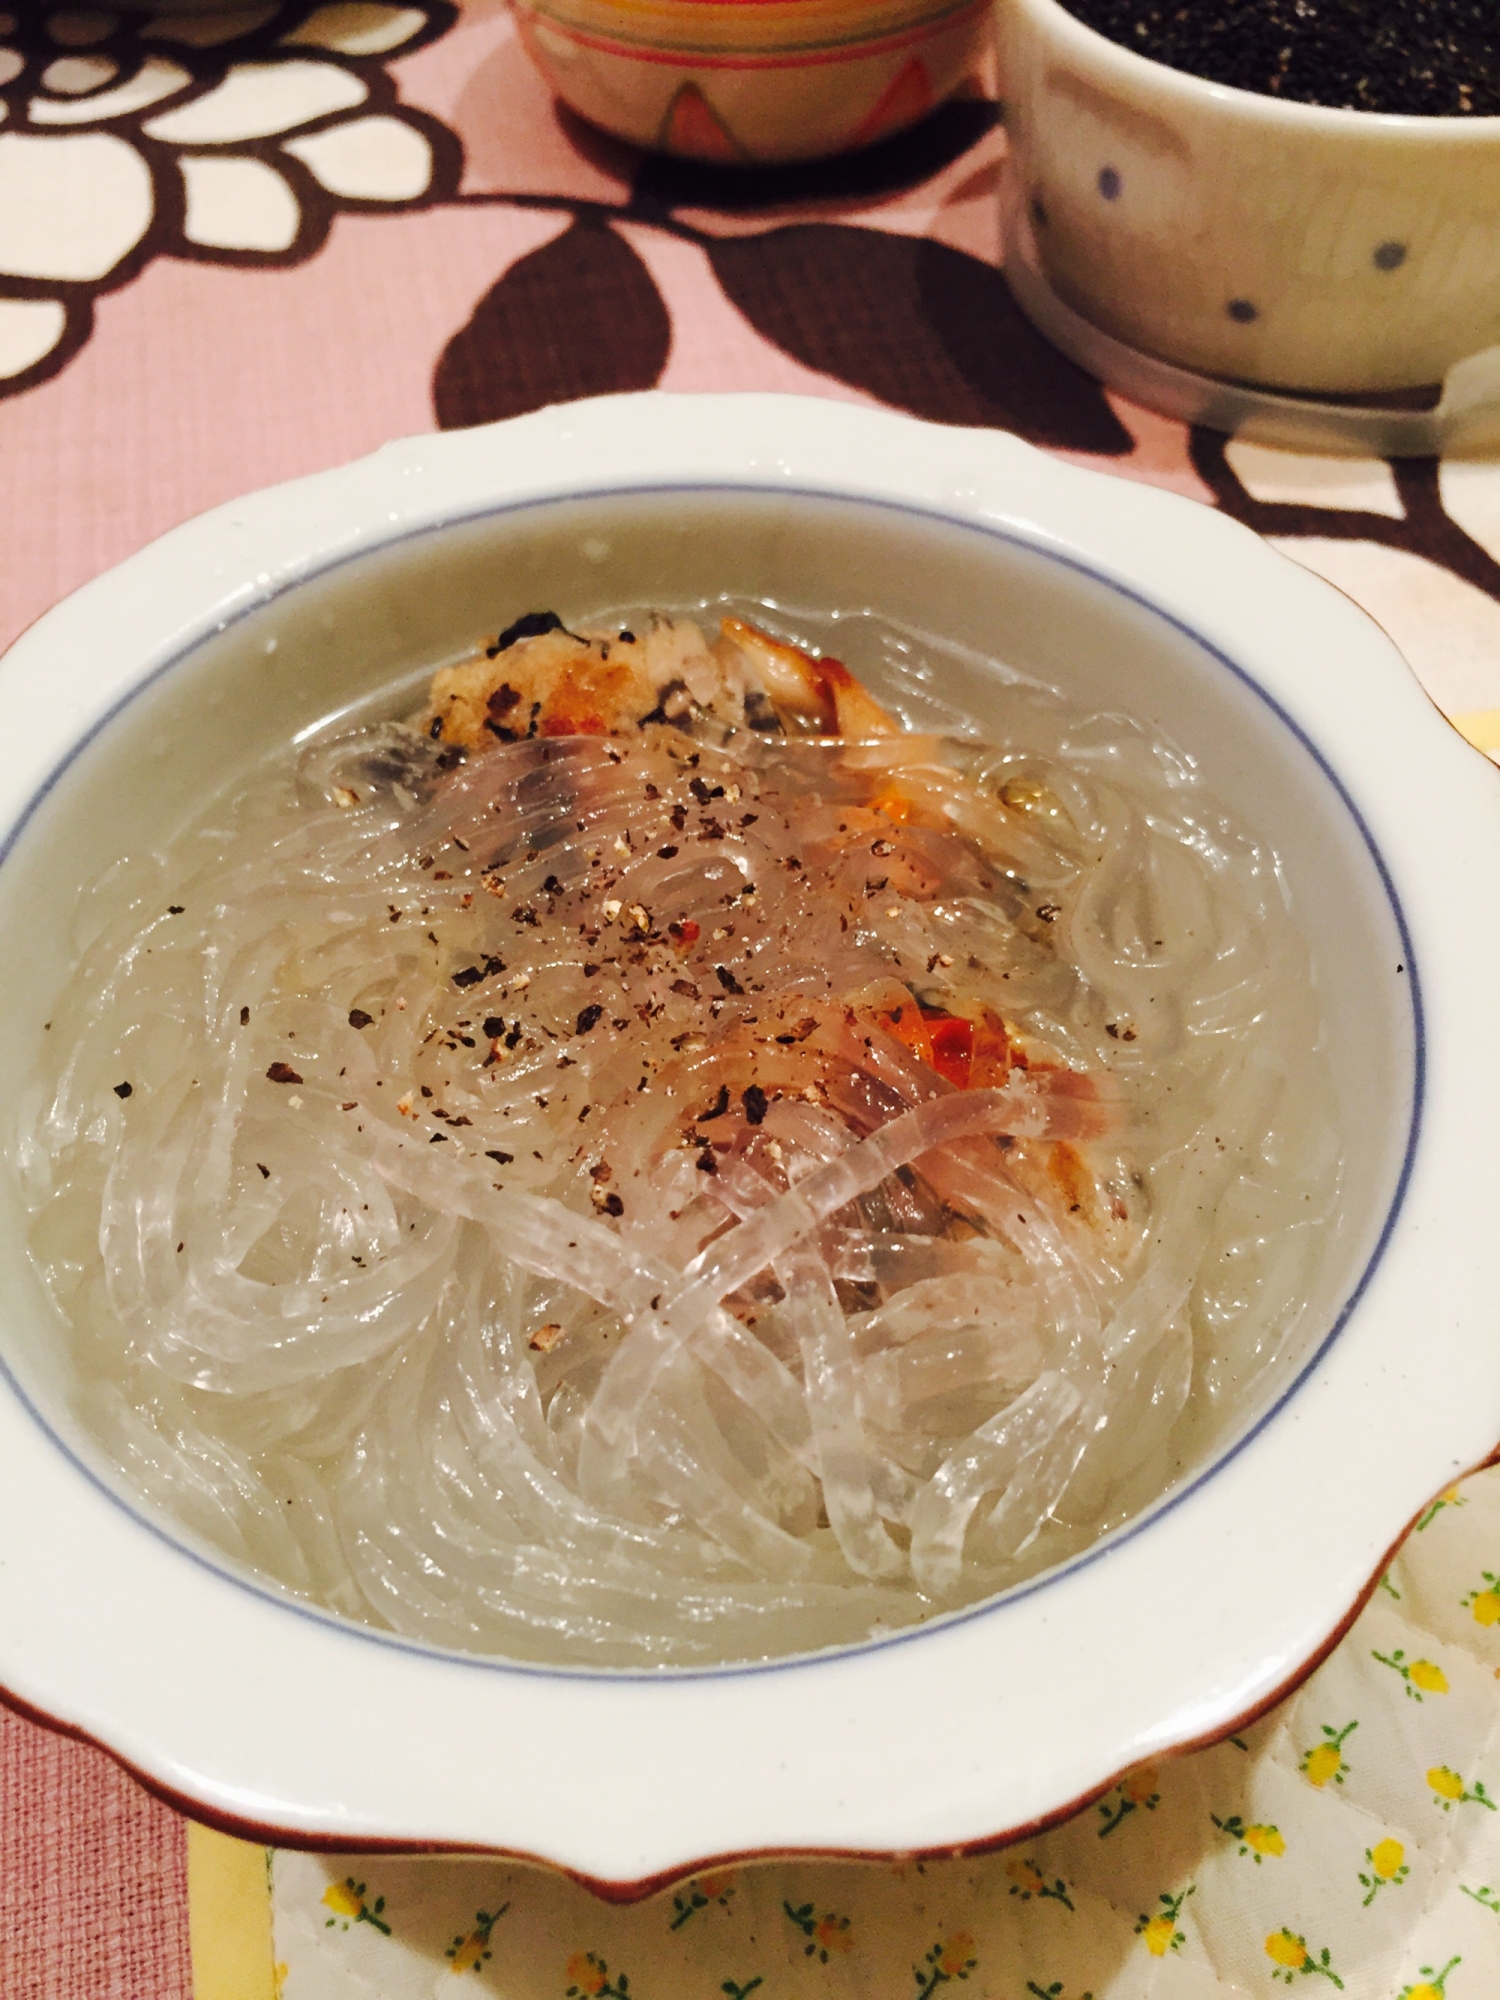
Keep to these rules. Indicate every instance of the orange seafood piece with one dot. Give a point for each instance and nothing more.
(822, 691)
(969, 1057)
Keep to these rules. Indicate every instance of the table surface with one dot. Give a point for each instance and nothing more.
(266, 242)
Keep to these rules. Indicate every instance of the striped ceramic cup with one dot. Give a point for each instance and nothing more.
(754, 80)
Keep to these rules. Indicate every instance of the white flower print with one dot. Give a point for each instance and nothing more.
(234, 136)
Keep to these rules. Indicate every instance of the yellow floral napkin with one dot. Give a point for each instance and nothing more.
(1349, 1841)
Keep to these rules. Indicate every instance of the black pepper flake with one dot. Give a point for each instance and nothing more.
(754, 1101)
(501, 1159)
(244, 1018)
(727, 979)
(524, 914)
(175, 909)
(281, 1072)
(264, 1172)
(124, 1090)
(1049, 912)
(590, 971)
(530, 625)
(494, 1027)
(552, 887)
(665, 853)
(717, 1109)
(589, 1017)
(358, 1018)
(707, 1164)
(612, 1205)
(703, 793)
(469, 976)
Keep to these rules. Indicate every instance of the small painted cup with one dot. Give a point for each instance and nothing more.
(754, 81)
(1245, 236)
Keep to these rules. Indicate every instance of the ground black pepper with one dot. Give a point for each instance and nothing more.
(1434, 58)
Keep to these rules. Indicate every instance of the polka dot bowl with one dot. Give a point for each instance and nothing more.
(1245, 236)
(750, 82)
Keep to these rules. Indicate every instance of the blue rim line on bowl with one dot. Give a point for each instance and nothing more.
(986, 1608)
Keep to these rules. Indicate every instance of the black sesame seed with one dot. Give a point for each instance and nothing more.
(1434, 58)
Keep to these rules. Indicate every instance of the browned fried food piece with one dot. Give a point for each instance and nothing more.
(552, 682)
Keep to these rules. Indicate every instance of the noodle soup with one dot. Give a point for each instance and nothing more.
(661, 1147)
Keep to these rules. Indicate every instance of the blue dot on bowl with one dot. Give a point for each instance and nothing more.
(1390, 256)
(1110, 183)
(1242, 311)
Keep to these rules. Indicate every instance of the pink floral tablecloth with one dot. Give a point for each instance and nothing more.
(243, 246)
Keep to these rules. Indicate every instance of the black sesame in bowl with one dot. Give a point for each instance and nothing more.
(1430, 58)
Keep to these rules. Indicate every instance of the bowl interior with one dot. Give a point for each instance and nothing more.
(329, 642)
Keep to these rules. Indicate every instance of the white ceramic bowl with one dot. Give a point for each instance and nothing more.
(127, 704)
(1243, 235)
